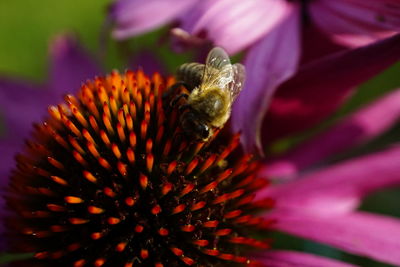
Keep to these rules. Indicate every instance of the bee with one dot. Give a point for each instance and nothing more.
(208, 92)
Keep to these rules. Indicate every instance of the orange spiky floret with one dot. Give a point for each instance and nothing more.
(110, 179)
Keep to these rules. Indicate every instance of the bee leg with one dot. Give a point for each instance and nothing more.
(172, 90)
(176, 99)
(183, 107)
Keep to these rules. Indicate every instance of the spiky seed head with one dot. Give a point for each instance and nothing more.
(110, 179)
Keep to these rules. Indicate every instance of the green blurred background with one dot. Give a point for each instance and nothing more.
(27, 27)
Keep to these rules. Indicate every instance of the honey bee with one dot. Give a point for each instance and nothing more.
(208, 92)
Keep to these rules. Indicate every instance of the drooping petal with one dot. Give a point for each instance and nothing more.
(358, 128)
(21, 103)
(285, 258)
(357, 22)
(316, 44)
(322, 85)
(341, 187)
(133, 17)
(70, 65)
(147, 61)
(234, 25)
(268, 63)
(9, 147)
(359, 233)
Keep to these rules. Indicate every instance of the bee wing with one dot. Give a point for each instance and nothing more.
(218, 69)
(239, 76)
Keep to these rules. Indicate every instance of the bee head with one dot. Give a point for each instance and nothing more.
(195, 126)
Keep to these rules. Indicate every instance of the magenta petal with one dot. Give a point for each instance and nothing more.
(148, 62)
(357, 22)
(8, 149)
(234, 24)
(341, 187)
(316, 44)
(359, 233)
(284, 258)
(268, 63)
(133, 17)
(322, 85)
(70, 65)
(360, 127)
(21, 103)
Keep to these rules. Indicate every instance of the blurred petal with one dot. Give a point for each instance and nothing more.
(234, 24)
(8, 149)
(133, 17)
(341, 187)
(284, 258)
(322, 85)
(357, 22)
(70, 66)
(21, 103)
(316, 44)
(268, 63)
(359, 233)
(148, 62)
(360, 127)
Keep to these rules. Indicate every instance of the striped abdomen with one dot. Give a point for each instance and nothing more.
(191, 74)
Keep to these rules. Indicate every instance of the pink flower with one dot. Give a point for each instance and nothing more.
(235, 24)
(280, 37)
(320, 205)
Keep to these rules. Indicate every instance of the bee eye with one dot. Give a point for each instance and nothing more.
(205, 132)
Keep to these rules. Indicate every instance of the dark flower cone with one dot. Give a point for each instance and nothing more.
(110, 179)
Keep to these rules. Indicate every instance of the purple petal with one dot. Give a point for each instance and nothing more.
(70, 66)
(234, 24)
(8, 149)
(359, 233)
(133, 17)
(341, 187)
(358, 128)
(21, 103)
(316, 44)
(284, 258)
(148, 62)
(357, 22)
(268, 63)
(322, 85)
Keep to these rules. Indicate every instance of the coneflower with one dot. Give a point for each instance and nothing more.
(110, 179)
(119, 183)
